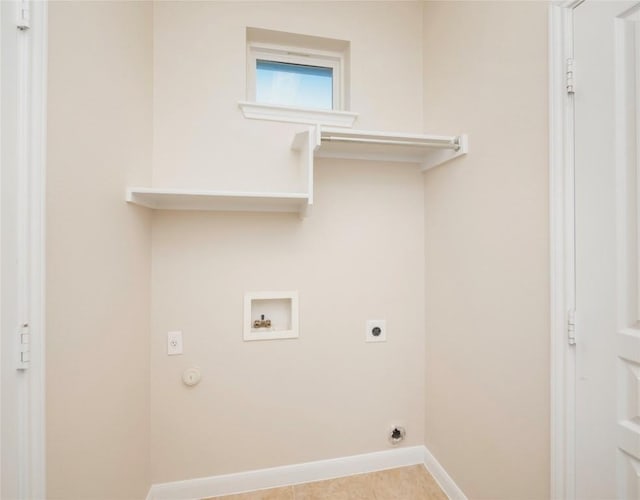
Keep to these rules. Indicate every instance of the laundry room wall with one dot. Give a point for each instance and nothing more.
(487, 248)
(358, 256)
(98, 249)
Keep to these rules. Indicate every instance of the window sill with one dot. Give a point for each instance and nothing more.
(258, 111)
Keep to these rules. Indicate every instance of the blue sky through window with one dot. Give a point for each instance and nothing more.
(294, 85)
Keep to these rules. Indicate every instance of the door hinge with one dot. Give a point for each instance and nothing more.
(24, 15)
(24, 346)
(570, 76)
(571, 327)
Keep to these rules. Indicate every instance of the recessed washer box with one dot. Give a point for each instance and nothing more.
(270, 315)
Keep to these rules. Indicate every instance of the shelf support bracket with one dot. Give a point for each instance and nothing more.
(439, 156)
(306, 143)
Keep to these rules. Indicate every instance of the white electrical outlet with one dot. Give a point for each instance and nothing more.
(376, 330)
(174, 343)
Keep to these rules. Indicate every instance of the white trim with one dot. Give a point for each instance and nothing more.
(30, 71)
(562, 253)
(290, 114)
(444, 480)
(2, 346)
(229, 484)
(37, 211)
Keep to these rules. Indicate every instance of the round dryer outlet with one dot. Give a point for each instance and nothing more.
(397, 434)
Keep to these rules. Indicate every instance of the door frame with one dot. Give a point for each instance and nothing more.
(31, 123)
(37, 246)
(562, 251)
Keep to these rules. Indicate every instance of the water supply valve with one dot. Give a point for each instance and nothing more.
(262, 323)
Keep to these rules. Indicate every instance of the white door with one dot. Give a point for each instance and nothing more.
(607, 356)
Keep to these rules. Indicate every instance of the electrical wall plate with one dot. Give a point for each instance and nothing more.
(174, 343)
(270, 315)
(376, 330)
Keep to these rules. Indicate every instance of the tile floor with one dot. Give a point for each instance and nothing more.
(406, 483)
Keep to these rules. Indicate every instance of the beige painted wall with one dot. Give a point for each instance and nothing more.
(325, 395)
(122, 71)
(98, 250)
(359, 256)
(200, 136)
(487, 268)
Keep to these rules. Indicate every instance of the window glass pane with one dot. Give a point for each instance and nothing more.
(294, 85)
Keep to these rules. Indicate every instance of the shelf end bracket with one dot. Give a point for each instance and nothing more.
(436, 158)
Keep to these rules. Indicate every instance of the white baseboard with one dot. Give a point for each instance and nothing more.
(306, 472)
(441, 476)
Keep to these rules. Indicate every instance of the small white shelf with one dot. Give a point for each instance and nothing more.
(191, 199)
(428, 151)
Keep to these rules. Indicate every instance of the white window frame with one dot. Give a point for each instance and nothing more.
(300, 56)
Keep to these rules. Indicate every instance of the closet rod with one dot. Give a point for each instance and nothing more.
(431, 143)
